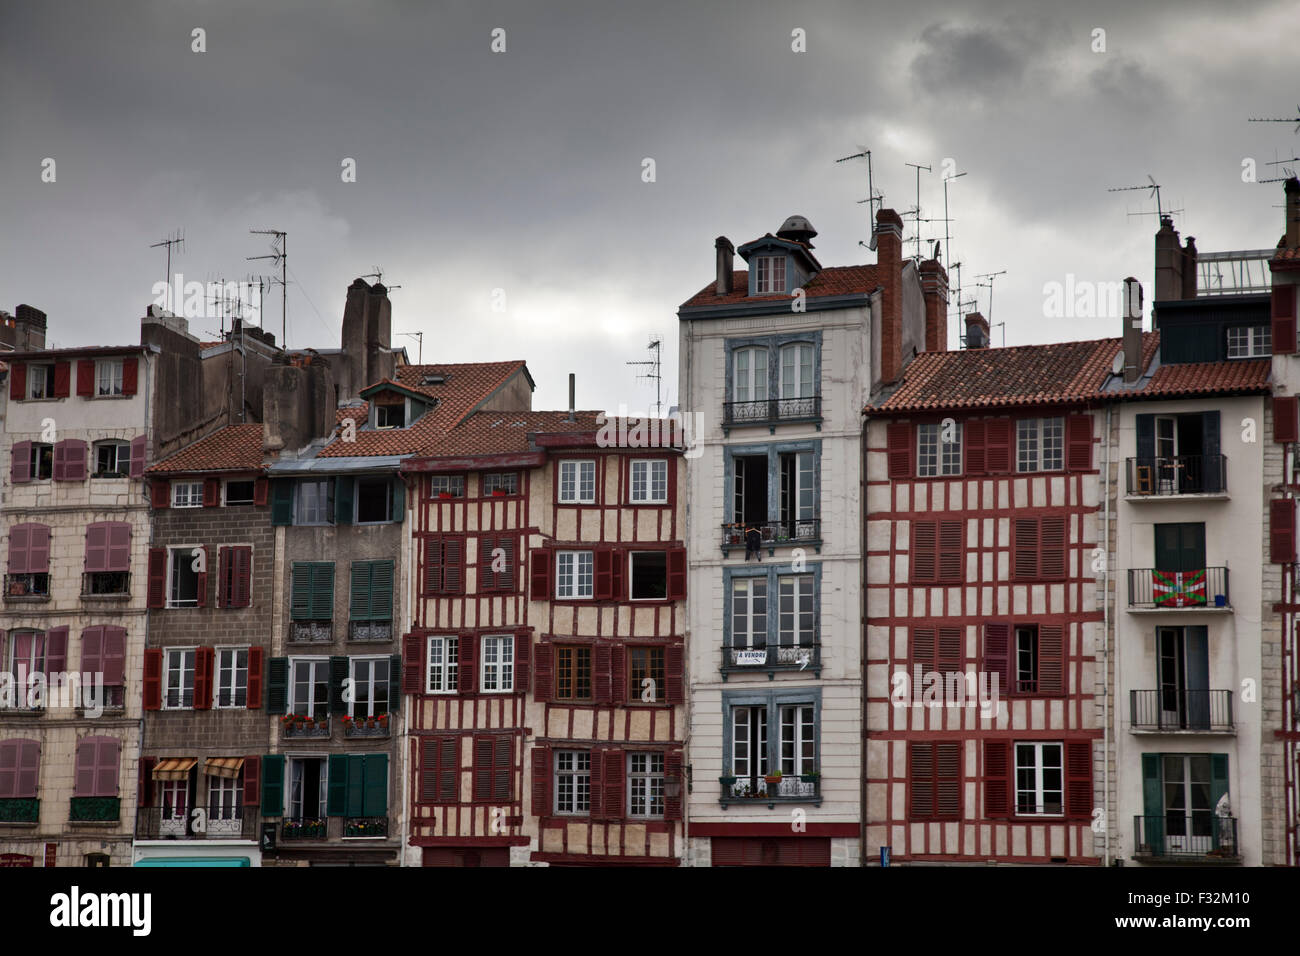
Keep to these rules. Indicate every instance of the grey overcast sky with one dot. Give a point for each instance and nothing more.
(522, 170)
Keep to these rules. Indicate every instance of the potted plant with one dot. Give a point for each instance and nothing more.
(498, 492)
(383, 721)
(370, 723)
(810, 777)
(444, 494)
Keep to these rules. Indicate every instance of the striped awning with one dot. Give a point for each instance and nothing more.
(227, 767)
(174, 768)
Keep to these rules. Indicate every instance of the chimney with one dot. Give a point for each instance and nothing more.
(726, 259)
(934, 286)
(1170, 263)
(1132, 330)
(1189, 268)
(977, 331)
(573, 397)
(29, 328)
(1292, 214)
(889, 273)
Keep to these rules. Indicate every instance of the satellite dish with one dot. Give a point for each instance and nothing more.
(1117, 366)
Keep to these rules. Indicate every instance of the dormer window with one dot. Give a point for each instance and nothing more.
(391, 416)
(769, 275)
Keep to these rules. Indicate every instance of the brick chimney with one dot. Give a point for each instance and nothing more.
(977, 331)
(1292, 213)
(726, 260)
(934, 286)
(1132, 331)
(889, 269)
(1175, 264)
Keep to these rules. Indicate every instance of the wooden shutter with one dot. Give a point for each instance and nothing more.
(135, 467)
(339, 668)
(83, 782)
(374, 786)
(273, 785)
(974, 437)
(1281, 531)
(432, 565)
(997, 655)
(20, 549)
(674, 785)
(1051, 659)
(277, 685)
(924, 650)
(898, 445)
(62, 379)
(618, 581)
(439, 768)
(252, 781)
(300, 591)
(255, 664)
(18, 381)
(413, 670)
(603, 562)
(336, 787)
(38, 548)
(157, 583)
(203, 659)
(541, 781)
(1078, 442)
(70, 460)
(1286, 418)
(113, 655)
(503, 767)
(674, 674)
(160, 493)
(201, 578)
(260, 492)
(106, 766)
(923, 552)
(152, 682)
(596, 784)
(467, 664)
(211, 493)
(92, 651)
(56, 650)
(345, 493)
(1052, 547)
(947, 779)
(20, 467)
(1078, 780)
(618, 677)
(1284, 323)
(242, 577)
(60, 456)
(676, 574)
(602, 673)
(282, 502)
(523, 660)
(144, 786)
(997, 779)
(322, 591)
(952, 551)
(951, 655)
(543, 666)
(130, 375)
(484, 747)
(1025, 565)
(614, 776)
(96, 547)
(453, 565)
(997, 446)
(920, 774)
(540, 574)
(119, 546)
(86, 378)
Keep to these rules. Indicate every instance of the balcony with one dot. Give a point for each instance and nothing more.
(1205, 476)
(1205, 589)
(95, 810)
(311, 632)
(365, 726)
(34, 588)
(304, 829)
(365, 827)
(772, 412)
(216, 822)
(800, 532)
(795, 788)
(772, 658)
(300, 727)
(1198, 837)
(106, 584)
(370, 631)
(20, 810)
(1179, 711)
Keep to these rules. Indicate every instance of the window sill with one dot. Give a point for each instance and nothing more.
(770, 802)
(27, 598)
(23, 713)
(125, 596)
(21, 824)
(106, 712)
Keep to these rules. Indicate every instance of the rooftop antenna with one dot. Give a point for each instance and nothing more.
(419, 337)
(1152, 187)
(280, 253)
(378, 276)
(652, 370)
(956, 267)
(1274, 119)
(174, 239)
(947, 232)
(916, 215)
(873, 196)
(989, 285)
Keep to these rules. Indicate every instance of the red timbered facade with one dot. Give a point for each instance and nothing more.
(545, 661)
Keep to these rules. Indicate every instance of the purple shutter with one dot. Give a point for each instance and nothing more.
(20, 468)
(118, 547)
(29, 758)
(60, 460)
(20, 549)
(115, 656)
(84, 778)
(9, 768)
(136, 468)
(92, 650)
(56, 650)
(74, 459)
(106, 767)
(38, 553)
(97, 547)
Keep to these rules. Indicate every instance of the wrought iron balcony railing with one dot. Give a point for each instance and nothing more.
(106, 584)
(213, 822)
(365, 827)
(305, 828)
(298, 726)
(1196, 837)
(770, 411)
(311, 632)
(366, 726)
(1180, 475)
(790, 788)
(794, 532)
(1203, 589)
(95, 810)
(20, 810)
(1172, 709)
(370, 631)
(27, 586)
(773, 657)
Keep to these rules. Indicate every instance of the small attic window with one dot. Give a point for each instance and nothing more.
(769, 274)
(434, 378)
(390, 416)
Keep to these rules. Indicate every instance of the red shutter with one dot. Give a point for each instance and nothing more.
(243, 586)
(86, 378)
(952, 551)
(948, 779)
(130, 373)
(974, 437)
(453, 565)
(83, 782)
(618, 584)
(997, 655)
(152, 682)
(62, 379)
(97, 547)
(602, 673)
(252, 780)
(922, 552)
(413, 675)
(951, 654)
(997, 446)
(255, 665)
(203, 577)
(615, 767)
(56, 650)
(160, 493)
(1051, 659)
(467, 672)
(522, 661)
(114, 655)
(1286, 419)
(603, 560)
(433, 566)
(1284, 325)
(1052, 547)
(58, 469)
(674, 674)
(211, 492)
(618, 678)
(38, 545)
(144, 792)
(203, 678)
(997, 779)
(20, 549)
(1281, 528)
(225, 576)
(674, 785)
(923, 649)
(1025, 565)
(503, 767)
(1078, 442)
(596, 784)
(27, 772)
(505, 579)
(106, 766)
(157, 578)
(920, 778)
(541, 781)
(136, 469)
(18, 381)
(543, 665)
(676, 574)
(898, 444)
(540, 581)
(1078, 780)
(260, 491)
(20, 466)
(70, 460)
(483, 751)
(429, 753)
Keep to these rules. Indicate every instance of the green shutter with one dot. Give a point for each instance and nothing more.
(355, 802)
(277, 685)
(336, 796)
(399, 499)
(322, 591)
(374, 798)
(273, 785)
(359, 602)
(1218, 778)
(344, 494)
(301, 591)
(381, 591)
(1153, 804)
(338, 678)
(282, 501)
(394, 683)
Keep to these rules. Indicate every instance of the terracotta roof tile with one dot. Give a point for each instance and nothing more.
(1205, 377)
(233, 448)
(496, 433)
(836, 280)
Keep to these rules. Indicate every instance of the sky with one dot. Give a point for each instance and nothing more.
(507, 192)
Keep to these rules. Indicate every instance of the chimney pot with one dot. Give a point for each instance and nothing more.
(726, 260)
(1132, 331)
(1293, 213)
(977, 331)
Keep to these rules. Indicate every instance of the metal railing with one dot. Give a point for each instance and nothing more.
(1200, 836)
(1180, 475)
(1178, 590)
(27, 585)
(297, 726)
(366, 726)
(365, 827)
(105, 583)
(768, 410)
(311, 632)
(788, 787)
(773, 656)
(773, 534)
(20, 810)
(307, 828)
(1172, 709)
(213, 822)
(370, 631)
(95, 810)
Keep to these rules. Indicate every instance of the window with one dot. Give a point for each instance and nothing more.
(223, 805)
(748, 613)
(19, 762)
(1250, 341)
(503, 482)
(773, 732)
(447, 486)
(935, 780)
(26, 657)
(577, 482)
(573, 673)
(797, 495)
(573, 574)
(749, 744)
(108, 377)
(391, 415)
(443, 676)
(307, 789)
(493, 769)
(315, 502)
(1040, 780)
(796, 625)
(309, 688)
(240, 492)
(572, 782)
(798, 740)
(112, 459)
(649, 575)
(938, 450)
(1027, 659)
(797, 371)
(313, 591)
(649, 481)
(374, 500)
(29, 560)
(42, 462)
(770, 276)
(498, 664)
(444, 565)
(750, 375)
(646, 671)
(103, 651)
(234, 586)
(1026, 662)
(187, 494)
(645, 784)
(370, 677)
(1040, 444)
(178, 679)
(40, 381)
(96, 767)
(231, 673)
(185, 578)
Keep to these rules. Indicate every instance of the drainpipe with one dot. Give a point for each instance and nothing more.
(1105, 648)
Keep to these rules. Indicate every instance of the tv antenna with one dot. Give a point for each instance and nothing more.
(916, 212)
(947, 231)
(280, 253)
(653, 371)
(989, 285)
(1152, 188)
(1288, 171)
(1275, 119)
(175, 240)
(378, 276)
(419, 338)
(873, 195)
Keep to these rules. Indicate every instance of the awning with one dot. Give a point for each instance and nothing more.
(174, 768)
(227, 767)
(195, 861)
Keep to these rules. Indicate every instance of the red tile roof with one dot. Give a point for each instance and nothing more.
(498, 433)
(836, 280)
(1202, 377)
(233, 448)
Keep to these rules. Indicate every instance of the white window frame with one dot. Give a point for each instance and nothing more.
(769, 275)
(497, 670)
(1022, 655)
(497, 481)
(649, 481)
(1258, 341)
(800, 586)
(803, 742)
(799, 388)
(178, 661)
(936, 458)
(576, 476)
(187, 494)
(362, 672)
(453, 485)
(645, 784)
(226, 674)
(108, 374)
(1038, 748)
(34, 467)
(1040, 444)
(174, 799)
(293, 703)
(46, 377)
(122, 457)
(748, 586)
(750, 383)
(324, 504)
(225, 800)
(406, 414)
(631, 573)
(188, 551)
(446, 668)
(575, 766)
(569, 581)
(740, 764)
